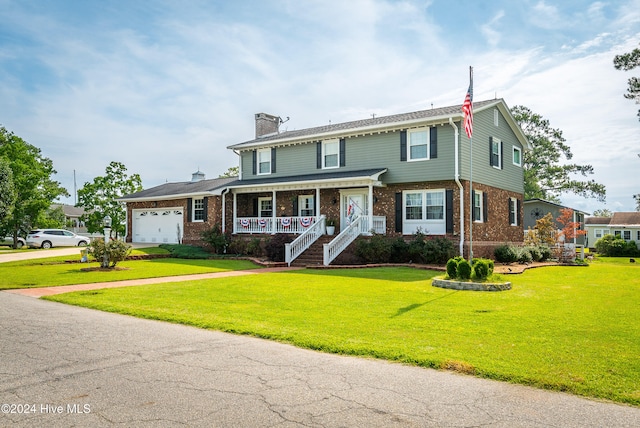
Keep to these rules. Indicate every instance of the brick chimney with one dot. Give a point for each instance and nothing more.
(267, 124)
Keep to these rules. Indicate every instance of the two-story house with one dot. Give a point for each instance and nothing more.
(396, 174)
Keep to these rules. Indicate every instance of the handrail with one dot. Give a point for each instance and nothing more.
(299, 245)
(342, 241)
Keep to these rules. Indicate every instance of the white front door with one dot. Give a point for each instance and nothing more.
(352, 205)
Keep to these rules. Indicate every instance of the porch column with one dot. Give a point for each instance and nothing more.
(273, 213)
(317, 202)
(235, 211)
(370, 208)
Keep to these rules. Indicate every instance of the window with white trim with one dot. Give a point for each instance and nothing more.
(626, 235)
(477, 206)
(418, 144)
(617, 233)
(331, 153)
(599, 233)
(424, 210)
(638, 235)
(496, 153)
(265, 207)
(264, 161)
(306, 206)
(517, 156)
(413, 206)
(198, 210)
(513, 211)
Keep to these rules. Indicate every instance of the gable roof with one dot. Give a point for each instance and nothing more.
(591, 221)
(381, 124)
(626, 219)
(544, 201)
(180, 190)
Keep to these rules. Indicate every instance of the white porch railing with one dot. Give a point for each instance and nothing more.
(379, 224)
(304, 241)
(342, 241)
(294, 225)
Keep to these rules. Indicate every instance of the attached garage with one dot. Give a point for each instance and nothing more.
(163, 226)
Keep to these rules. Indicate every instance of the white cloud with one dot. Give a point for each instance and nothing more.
(489, 30)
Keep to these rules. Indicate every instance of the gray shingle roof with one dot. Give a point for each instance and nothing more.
(308, 177)
(181, 188)
(381, 121)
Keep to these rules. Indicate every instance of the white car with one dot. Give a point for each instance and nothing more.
(47, 238)
(8, 240)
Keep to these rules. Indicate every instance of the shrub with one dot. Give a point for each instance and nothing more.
(437, 250)
(615, 246)
(524, 256)
(505, 254)
(216, 239)
(399, 251)
(415, 248)
(274, 248)
(181, 251)
(116, 251)
(464, 270)
(535, 252)
(452, 267)
(482, 268)
(377, 249)
(545, 253)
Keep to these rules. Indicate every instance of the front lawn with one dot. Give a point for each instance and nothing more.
(54, 271)
(571, 329)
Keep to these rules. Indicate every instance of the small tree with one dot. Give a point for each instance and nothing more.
(116, 251)
(100, 198)
(570, 230)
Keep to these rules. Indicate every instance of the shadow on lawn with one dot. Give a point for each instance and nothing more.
(413, 306)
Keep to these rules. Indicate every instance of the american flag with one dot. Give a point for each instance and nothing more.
(467, 109)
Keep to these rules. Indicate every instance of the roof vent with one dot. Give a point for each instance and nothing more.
(197, 176)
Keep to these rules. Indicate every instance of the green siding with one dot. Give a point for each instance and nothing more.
(511, 177)
(365, 152)
(383, 151)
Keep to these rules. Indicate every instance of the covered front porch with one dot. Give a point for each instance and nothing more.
(294, 205)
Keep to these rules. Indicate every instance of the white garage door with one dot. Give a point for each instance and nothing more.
(163, 226)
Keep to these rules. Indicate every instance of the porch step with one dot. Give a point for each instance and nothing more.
(314, 254)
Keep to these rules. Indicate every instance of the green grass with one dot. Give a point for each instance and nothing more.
(572, 329)
(54, 271)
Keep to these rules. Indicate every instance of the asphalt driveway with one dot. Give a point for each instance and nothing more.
(67, 366)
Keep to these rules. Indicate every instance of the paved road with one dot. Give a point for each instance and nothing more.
(78, 367)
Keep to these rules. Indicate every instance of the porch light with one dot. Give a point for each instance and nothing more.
(106, 222)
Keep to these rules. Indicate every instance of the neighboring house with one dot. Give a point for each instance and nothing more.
(623, 224)
(535, 209)
(393, 175)
(175, 212)
(72, 217)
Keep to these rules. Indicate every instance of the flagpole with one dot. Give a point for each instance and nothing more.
(471, 172)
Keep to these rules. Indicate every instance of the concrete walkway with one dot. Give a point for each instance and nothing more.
(48, 291)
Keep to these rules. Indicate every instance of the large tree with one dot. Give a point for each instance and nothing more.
(546, 173)
(7, 193)
(626, 62)
(100, 198)
(35, 189)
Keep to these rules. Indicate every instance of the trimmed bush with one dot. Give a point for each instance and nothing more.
(545, 253)
(524, 256)
(116, 251)
(452, 268)
(217, 240)
(464, 270)
(482, 268)
(377, 249)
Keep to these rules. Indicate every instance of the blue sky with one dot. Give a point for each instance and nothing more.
(164, 86)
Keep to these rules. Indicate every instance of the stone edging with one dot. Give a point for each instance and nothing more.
(473, 286)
